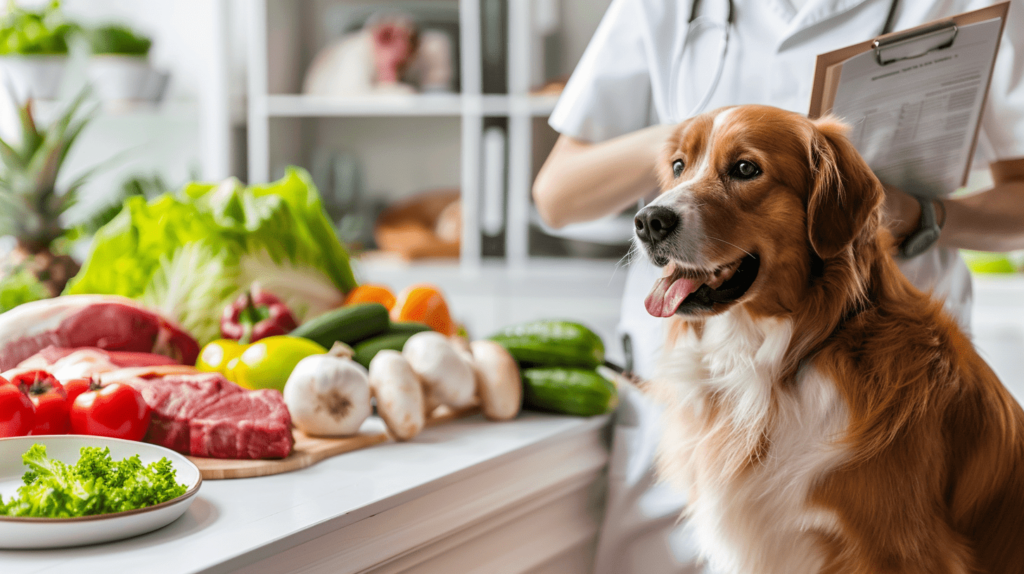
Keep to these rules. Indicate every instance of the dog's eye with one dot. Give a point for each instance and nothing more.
(677, 167)
(745, 170)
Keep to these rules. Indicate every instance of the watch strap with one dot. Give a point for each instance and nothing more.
(926, 234)
(929, 219)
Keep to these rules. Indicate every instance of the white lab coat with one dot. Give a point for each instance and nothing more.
(634, 74)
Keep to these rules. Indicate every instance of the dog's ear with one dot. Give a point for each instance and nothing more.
(845, 192)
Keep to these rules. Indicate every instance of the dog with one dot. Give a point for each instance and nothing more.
(822, 414)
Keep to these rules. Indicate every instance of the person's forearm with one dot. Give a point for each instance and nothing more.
(581, 181)
(991, 220)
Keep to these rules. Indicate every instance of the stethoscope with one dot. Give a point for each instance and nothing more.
(695, 22)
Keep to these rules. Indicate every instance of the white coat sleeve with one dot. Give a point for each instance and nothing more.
(1002, 121)
(609, 93)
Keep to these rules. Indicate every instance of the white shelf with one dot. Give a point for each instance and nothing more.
(541, 106)
(276, 43)
(401, 105)
(383, 105)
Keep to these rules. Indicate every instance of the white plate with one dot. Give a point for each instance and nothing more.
(16, 532)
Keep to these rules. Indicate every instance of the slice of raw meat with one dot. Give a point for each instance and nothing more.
(104, 321)
(206, 415)
(68, 364)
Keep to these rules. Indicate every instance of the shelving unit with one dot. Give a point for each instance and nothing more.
(277, 113)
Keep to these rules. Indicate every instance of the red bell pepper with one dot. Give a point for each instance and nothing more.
(255, 315)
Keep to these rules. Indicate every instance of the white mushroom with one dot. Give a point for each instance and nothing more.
(497, 378)
(328, 395)
(460, 343)
(430, 403)
(399, 394)
(444, 372)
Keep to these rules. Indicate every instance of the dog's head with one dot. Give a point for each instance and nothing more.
(757, 202)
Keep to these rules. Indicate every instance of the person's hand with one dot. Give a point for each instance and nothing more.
(901, 213)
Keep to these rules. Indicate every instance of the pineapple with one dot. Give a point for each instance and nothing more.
(30, 204)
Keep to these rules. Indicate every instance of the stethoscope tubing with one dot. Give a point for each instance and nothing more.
(693, 18)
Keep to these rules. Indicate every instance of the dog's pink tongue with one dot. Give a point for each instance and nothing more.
(666, 295)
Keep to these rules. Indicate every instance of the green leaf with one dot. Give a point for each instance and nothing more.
(11, 158)
(29, 134)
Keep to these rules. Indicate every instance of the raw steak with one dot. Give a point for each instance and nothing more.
(104, 321)
(204, 414)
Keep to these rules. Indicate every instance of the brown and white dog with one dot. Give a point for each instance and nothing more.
(822, 413)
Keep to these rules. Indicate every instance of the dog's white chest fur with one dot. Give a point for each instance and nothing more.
(747, 452)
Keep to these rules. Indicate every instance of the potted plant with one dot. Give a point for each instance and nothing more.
(34, 50)
(119, 68)
(32, 207)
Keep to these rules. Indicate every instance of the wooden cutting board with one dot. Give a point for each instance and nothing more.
(307, 451)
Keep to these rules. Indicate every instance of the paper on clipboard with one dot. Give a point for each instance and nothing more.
(914, 106)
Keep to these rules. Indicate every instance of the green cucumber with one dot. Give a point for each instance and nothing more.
(349, 324)
(552, 344)
(365, 352)
(580, 392)
(411, 327)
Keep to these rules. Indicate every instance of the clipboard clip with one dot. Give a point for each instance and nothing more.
(914, 44)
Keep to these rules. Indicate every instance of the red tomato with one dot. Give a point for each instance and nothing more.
(49, 398)
(115, 410)
(17, 416)
(75, 387)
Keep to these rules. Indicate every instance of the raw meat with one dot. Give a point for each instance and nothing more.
(68, 364)
(104, 321)
(204, 414)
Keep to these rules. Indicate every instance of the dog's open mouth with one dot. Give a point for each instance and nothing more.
(686, 290)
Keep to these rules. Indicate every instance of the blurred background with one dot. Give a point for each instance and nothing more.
(422, 123)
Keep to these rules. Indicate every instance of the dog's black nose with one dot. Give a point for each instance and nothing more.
(654, 223)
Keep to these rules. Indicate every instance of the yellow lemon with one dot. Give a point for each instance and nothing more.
(216, 355)
(267, 363)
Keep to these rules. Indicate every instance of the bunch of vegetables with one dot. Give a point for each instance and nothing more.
(27, 32)
(256, 352)
(191, 254)
(398, 359)
(559, 361)
(329, 395)
(36, 403)
(96, 484)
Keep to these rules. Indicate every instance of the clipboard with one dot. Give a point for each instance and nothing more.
(901, 50)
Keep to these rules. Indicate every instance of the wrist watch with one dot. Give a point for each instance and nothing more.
(927, 232)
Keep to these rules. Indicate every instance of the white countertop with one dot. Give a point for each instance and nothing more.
(234, 523)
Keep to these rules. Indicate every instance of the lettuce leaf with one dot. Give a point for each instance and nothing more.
(189, 254)
(96, 484)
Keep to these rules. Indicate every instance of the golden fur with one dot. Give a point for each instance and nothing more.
(834, 401)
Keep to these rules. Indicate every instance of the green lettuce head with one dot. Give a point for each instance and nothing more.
(189, 255)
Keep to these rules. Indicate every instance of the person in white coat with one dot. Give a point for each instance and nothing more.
(653, 63)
